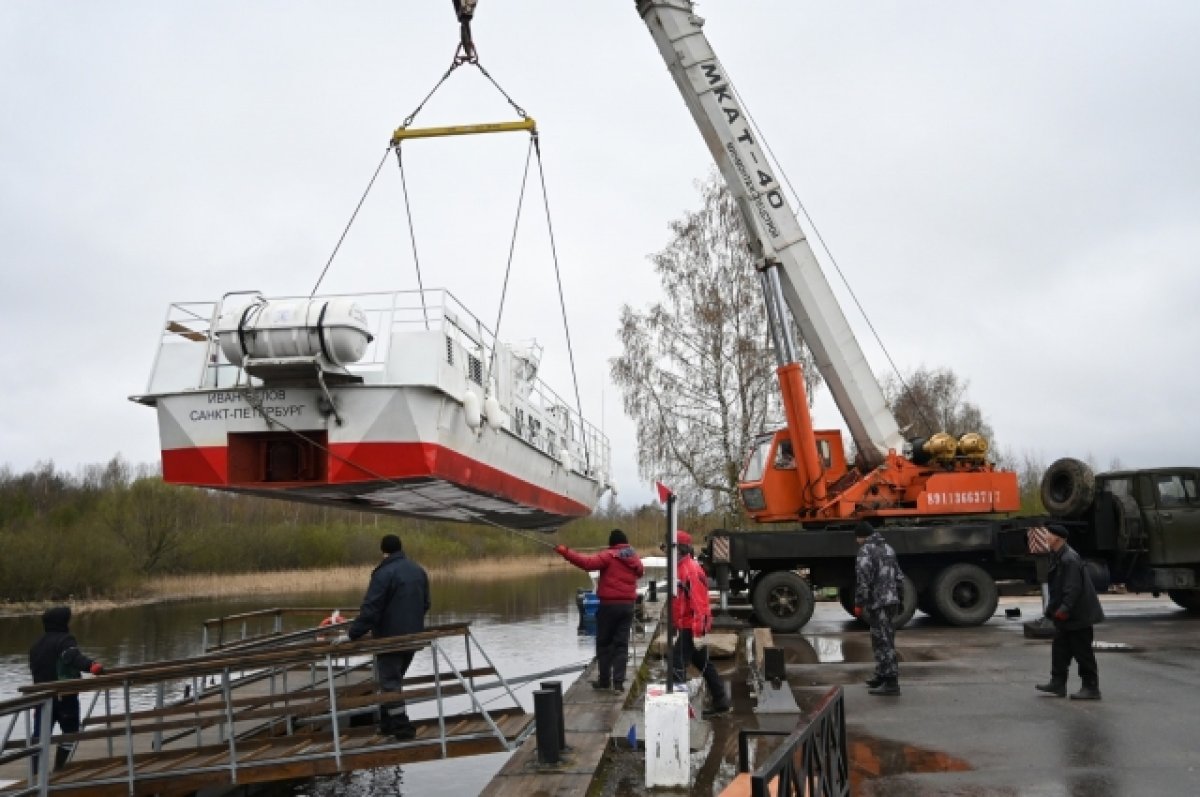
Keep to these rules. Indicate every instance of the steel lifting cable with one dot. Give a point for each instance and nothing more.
(512, 245)
(563, 305)
(468, 54)
(825, 248)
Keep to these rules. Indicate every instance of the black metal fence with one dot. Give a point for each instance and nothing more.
(811, 762)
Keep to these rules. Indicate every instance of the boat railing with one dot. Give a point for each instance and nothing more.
(189, 357)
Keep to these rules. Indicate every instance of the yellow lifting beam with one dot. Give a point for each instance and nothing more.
(462, 130)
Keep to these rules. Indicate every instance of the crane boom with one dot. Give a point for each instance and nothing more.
(772, 226)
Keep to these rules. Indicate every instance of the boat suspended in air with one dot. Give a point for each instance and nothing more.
(398, 402)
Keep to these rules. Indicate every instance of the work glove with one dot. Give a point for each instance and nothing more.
(96, 669)
(858, 612)
(1061, 615)
(561, 550)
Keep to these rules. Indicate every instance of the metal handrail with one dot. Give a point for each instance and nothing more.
(812, 760)
(234, 719)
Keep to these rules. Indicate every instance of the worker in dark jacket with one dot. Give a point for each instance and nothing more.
(56, 657)
(396, 603)
(620, 568)
(878, 584)
(1075, 608)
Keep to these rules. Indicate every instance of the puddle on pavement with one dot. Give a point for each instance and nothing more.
(872, 758)
(838, 649)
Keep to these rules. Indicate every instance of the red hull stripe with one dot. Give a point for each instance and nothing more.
(209, 467)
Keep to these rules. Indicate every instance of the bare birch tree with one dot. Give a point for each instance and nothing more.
(697, 372)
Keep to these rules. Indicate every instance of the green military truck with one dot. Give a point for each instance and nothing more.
(1137, 528)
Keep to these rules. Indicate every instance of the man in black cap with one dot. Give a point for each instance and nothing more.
(1075, 608)
(878, 581)
(56, 657)
(396, 603)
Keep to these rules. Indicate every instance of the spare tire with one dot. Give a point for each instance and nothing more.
(1068, 488)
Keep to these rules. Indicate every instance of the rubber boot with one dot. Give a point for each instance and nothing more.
(875, 681)
(60, 757)
(889, 688)
(601, 686)
(402, 728)
(1054, 687)
(1087, 693)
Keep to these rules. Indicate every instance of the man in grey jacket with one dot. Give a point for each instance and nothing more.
(1075, 608)
(878, 581)
(396, 602)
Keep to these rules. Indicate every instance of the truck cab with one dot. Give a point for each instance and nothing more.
(768, 480)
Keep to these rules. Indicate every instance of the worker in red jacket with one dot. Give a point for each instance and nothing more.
(692, 617)
(620, 568)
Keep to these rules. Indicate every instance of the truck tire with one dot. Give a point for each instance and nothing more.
(783, 601)
(1187, 598)
(1068, 488)
(965, 594)
(908, 606)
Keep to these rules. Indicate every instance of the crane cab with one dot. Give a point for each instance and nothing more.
(772, 487)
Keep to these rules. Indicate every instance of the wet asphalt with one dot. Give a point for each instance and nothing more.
(969, 721)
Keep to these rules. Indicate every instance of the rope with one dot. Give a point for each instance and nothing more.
(817, 233)
(512, 245)
(562, 304)
(353, 216)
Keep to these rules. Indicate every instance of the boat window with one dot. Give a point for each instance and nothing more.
(756, 462)
(474, 369)
(449, 351)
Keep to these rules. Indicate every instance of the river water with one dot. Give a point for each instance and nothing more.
(525, 625)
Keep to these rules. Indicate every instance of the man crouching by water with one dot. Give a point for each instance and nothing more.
(396, 603)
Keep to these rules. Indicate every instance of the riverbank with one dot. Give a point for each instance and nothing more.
(284, 582)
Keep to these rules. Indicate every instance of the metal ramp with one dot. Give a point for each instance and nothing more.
(268, 710)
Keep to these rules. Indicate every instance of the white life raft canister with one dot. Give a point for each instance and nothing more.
(335, 328)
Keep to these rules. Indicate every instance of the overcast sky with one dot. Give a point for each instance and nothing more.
(1012, 190)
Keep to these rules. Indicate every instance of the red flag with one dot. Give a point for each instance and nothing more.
(664, 492)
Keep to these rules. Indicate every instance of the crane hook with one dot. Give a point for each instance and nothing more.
(465, 10)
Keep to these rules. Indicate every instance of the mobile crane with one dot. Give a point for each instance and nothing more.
(940, 504)
(922, 488)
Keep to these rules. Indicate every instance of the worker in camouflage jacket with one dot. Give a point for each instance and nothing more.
(877, 599)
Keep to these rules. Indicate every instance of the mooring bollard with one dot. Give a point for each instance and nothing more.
(545, 714)
(556, 687)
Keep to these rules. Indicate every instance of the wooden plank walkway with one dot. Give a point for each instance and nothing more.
(589, 716)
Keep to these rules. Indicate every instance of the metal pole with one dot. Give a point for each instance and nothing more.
(547, 726)
(556, 688)
(159, 694)
(128, 734)
(437, 689)
(225, 693)
(672, 588)
(333, 717)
